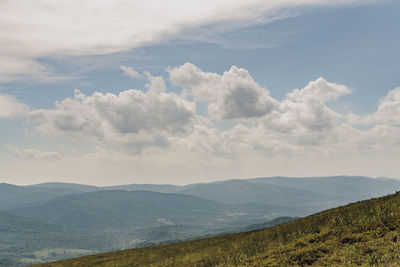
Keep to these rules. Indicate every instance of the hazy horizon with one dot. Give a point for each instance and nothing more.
(68, 181)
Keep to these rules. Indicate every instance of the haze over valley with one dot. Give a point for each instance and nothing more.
(59, 220)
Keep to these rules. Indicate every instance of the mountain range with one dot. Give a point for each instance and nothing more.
(364, 233)
(126, 216)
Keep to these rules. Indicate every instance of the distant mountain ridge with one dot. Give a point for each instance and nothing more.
(119, 209)
(70, 186)
(12, 196)
(126, 216)
(311, 194)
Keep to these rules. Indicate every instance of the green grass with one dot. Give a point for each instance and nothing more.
(363, 233)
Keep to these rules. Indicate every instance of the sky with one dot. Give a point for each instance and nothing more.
(177, 92)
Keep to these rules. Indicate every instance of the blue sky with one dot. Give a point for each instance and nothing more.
(352, 44)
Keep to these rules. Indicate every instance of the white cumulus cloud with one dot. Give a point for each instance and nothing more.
(159, 124)
(388, 111)
(11, 108)
(305, 108)
(233, 95)
(130, 116)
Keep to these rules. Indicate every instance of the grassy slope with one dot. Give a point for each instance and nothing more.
(363, 233)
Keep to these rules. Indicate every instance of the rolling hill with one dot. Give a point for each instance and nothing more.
(129, 210)
(307, 194)
(66, 186)
(12, 196)
(345, 188)
(242, 191)
(323, 192)
(160, 188)
(122, 217)
(117, 209)
(362, 233)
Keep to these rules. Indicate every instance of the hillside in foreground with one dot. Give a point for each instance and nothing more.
(362, 233)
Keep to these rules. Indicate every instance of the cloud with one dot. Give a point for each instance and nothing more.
(156, 84)
(233, 95)
(130, 72)
(160, 124)
(33, 154)
(242, 97)
(305, 108)
(204, 86)
(11, 108)
(132, 116)
(54, 28)
(388, 112)
(319, 91)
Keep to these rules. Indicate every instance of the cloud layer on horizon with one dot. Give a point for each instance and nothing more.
(156, 121)
(33, 154)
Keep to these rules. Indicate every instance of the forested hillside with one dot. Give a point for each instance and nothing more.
(363, 233)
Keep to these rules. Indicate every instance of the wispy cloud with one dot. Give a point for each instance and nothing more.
(32, 30)
(33, 154)
(130, 72)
